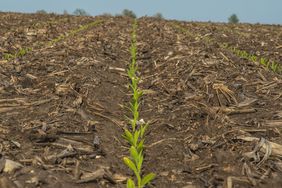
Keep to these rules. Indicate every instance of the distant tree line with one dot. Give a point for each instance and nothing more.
(233, 19)
(128, 13)
(41, 11)
(82, 12)
(77, 12)
(158, 15)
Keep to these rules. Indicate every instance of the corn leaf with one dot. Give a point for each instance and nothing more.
(135, 138)
(130, 183)
(140, 162)
(134, 154)
(131, 165)
(128, 136)
(147, 179)
(140, 146)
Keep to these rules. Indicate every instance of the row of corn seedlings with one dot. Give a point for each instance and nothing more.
(271, 65)
(23, 51)
(73, 32)
(135, 133)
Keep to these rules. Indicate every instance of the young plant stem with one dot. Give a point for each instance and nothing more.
(135, 134)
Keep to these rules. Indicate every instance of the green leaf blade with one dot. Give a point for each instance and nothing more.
(147, 179)
(130, 183)
(130, 164)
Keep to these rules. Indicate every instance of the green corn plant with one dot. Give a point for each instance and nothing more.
(263, 61)
(135, 161)
(243, 54)
(253, 58)
(8, 56)
(135, 135)
(20, 53)
(274, 66)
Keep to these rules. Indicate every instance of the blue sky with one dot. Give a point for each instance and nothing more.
(252, 11)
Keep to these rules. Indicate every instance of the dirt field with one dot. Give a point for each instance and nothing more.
(215, 118)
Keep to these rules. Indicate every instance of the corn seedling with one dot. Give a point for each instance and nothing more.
(20, 53)
(135, 134)
(8, 56)
(274, 66)
(263, 61)
(253, 58)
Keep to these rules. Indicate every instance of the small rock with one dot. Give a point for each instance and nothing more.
(11, 166)
(194, 147)
(164, 173)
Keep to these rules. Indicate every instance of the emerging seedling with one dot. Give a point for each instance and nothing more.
(134, 135)
(20, 53)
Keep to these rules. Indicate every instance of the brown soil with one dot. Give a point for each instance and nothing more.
(62, 108)
(261, 40)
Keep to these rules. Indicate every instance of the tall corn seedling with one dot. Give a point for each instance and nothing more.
(135, 133)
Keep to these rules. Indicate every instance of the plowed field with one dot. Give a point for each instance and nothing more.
(215, 117)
